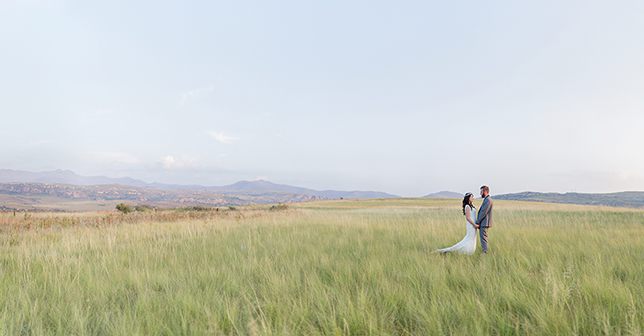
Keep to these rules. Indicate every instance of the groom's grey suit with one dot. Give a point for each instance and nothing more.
(484, 219)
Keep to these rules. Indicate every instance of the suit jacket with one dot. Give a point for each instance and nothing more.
(484, 217)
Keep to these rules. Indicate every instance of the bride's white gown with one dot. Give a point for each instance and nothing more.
(468, 244)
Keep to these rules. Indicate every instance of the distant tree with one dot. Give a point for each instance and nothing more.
(278, 207)
(143, 208)
(123, 208)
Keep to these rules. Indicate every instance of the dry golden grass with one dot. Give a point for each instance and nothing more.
(325, 268)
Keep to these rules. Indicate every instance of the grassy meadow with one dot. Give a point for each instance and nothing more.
(349, 267)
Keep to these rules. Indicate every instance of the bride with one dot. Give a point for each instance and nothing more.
(468, 244)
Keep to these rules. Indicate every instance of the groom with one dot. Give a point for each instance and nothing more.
(484, 217)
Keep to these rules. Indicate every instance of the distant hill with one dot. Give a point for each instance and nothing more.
(266, 185)
(69, 177)
(445, 194)
(630, 199)
(66, 177)
(58, 196)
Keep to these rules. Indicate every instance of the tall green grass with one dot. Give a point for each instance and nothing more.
(344, 267)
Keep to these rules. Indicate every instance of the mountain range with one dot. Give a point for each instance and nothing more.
(69, 177)
(19, 189)
(625, 199)
(57, 196)
(445, 194)
(66, 177)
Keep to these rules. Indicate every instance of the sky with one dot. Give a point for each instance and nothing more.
(405, 97)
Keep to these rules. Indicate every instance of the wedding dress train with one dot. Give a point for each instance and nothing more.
(468, 244)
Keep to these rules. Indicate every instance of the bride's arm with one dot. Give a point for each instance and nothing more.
(467, 216)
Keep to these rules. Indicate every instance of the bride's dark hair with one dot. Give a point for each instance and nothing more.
(466, 201)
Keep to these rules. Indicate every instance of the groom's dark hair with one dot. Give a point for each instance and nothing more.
(487, 190)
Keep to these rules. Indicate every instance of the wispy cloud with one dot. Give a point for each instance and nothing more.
(200, 92)
(172, 163)
(221, 137)
(187, 165)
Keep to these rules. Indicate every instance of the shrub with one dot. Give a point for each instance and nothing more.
(231, 208)
(143, 208)
(278, 207)
(122, 207)
(202, 208)
(198, 208)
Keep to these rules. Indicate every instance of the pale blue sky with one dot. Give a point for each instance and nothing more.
(397, 96)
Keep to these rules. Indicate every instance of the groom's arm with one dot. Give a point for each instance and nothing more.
(485, 208)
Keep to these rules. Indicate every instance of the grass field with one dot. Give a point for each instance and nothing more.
(350, 267)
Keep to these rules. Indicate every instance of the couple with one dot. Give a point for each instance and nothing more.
(482, 221)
